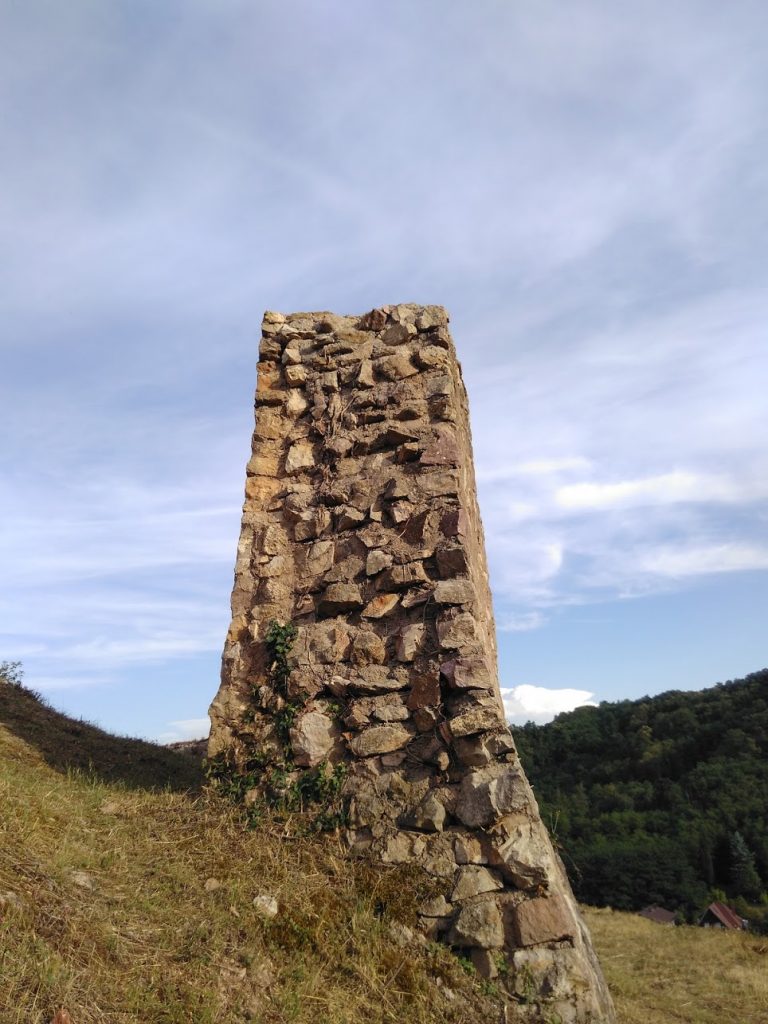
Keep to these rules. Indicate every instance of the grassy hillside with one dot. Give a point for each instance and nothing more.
(664, 975)
(126, 896)
(128, 902)
(659, 800)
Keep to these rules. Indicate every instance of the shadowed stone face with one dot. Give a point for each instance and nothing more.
(361, 528)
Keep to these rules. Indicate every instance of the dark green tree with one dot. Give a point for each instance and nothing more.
(745, 880)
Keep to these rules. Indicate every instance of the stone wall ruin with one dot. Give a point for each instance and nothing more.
(361, 528)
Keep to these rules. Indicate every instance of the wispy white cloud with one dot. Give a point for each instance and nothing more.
(667, 488)
(686, 561)
(532, 467)
(520, 622)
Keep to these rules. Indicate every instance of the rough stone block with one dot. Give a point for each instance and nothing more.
(473, 880)
(456, 630)
(377, 561)
(451, 562)
(313, 738)
(478, 925)
(380, 606)
(379, 739)
(454, 592)
(409, 641)
(545, 919)
(339, 598)
(429, 816)
(425, 692)
(368, 648)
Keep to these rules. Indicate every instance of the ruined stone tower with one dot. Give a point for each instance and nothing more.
(361, 529)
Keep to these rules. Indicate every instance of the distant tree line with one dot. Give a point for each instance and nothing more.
(660, 800)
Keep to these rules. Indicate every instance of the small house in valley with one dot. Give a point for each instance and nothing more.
(717, 915)
(659, 915)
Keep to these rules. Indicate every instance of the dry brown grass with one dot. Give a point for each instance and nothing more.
(666, 975)
(104, 910)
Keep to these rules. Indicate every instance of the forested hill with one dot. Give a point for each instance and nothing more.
(659, 800)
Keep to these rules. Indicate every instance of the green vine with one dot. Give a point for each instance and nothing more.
(233, 782)
(284, 787)
(284, 720)
(279, 641)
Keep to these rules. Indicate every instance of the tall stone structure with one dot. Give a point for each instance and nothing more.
(361, 528)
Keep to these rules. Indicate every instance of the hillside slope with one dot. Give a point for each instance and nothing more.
(659, 800)
(126, 897)
(663, 975)
(127, 903)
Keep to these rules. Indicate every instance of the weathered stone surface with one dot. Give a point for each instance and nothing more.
(376, 679)
(437, 907)
(409, 641)
(473, 880)
(391, 713)
(296, 404)
(313, 737)
(365, 378)
(368, 648)
(397, 334)
(523, 853)
(416, 597)
(349, 517)
(468, 849)
(454, 592)
(381, 605)
(488, 794)
(324, 643)
(478, 925)
(300, 456)
(475, 720)
(431, 357)
(401, 848)
(473, 751)
(376, 561)
(379, 739)
(454, 524)
(430, 317)
(317, 558)
(456, 630)
(338, 598)
(429, 816)
(468, 674)
(443, 451)
(361, 526)
(266, 906)
(425, 692)
(451, 561)
(486, 963)
(542, 920)
(373, 321)
(396, 367)
(399, 577)
(311, 524)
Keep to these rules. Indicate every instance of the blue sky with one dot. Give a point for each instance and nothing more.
(582, 184)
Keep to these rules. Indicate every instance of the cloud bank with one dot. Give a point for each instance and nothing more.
(582, 186)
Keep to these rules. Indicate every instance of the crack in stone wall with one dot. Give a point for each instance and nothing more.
(361, 527)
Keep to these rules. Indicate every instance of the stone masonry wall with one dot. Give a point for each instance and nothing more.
(361, 528)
